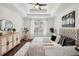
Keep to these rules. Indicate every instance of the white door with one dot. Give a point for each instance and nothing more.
(38, 28)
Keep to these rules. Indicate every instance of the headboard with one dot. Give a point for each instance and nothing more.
(72, 33)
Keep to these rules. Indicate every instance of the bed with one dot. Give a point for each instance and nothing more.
(43, 46)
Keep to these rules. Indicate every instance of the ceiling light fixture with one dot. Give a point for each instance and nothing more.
(37, 6)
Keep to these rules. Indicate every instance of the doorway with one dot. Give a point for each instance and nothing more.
(38, 28)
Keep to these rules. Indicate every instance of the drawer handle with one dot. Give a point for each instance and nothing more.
(7, 43)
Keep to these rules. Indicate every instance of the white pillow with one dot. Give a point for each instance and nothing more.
(47, 40)
(57, 38)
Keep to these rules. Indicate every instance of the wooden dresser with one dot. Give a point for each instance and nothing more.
(8, 41)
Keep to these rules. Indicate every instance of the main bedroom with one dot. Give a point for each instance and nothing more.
(39, 29)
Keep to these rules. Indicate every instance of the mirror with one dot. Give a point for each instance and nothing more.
(5, 25)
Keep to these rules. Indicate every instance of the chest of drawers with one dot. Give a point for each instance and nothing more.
(8, 41)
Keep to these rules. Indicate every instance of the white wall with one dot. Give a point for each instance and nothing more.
(27, 23)
(8, 14)
(58, 20)
(50, 24)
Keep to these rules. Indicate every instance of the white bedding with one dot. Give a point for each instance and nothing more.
(61, 51)
(43, 46)
(50, 48)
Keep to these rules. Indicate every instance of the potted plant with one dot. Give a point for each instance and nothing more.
(26, 29)
(14, 29)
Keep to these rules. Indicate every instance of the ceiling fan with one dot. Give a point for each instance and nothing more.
(38, 5)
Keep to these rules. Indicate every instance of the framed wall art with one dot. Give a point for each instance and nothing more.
(68, 20)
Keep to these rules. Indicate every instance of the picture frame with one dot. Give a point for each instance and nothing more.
(68, 20)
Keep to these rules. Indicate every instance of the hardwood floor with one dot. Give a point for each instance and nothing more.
(15, 49)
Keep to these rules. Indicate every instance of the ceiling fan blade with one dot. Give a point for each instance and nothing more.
(31, 3)
(42, 4)
(38, 4)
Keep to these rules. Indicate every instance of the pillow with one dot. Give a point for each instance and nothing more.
(61, 41)
(69, 42)
(57, 38)
(53, 38)
(46, 40)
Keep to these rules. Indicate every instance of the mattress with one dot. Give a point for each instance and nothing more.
(51, 51)
(61, 51)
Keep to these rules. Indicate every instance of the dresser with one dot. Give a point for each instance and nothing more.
(8, 41)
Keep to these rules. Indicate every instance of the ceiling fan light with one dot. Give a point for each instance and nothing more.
(37, 6)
